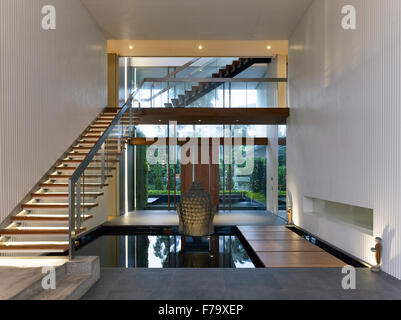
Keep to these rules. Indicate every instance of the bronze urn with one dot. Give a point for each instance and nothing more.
(196, 212)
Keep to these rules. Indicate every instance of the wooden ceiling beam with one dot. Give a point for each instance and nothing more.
(262, 116)
(181, 141)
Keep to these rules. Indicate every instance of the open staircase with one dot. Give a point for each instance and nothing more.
(203, 88)
(42, 224)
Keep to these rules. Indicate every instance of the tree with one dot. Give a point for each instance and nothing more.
(156, 176)
(161, 249)
(258, 177)
(282, 173)
(282, 169)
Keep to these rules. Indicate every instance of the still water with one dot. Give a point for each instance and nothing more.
(168, 251)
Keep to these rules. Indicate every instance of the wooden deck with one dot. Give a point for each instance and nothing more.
(279, 247)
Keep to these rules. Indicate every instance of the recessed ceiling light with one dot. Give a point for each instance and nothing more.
(131, 47)
(200, 47)
(268, 47)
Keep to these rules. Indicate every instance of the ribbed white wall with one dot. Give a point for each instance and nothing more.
(53, 83)
(344, 129)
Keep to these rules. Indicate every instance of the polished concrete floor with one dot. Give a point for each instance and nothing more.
(240, 284)
(170, 218)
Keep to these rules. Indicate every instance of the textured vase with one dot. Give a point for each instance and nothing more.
(196, 212)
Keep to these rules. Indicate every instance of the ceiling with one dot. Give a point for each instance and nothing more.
(197, 19)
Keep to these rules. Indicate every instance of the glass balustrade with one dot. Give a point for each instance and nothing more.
(209, 93)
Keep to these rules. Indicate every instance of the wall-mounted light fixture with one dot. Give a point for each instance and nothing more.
(200, 47)
(269, 47)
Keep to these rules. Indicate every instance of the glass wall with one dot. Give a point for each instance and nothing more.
(242, 169)
(158, 185)
(161, 94)
(248, 182)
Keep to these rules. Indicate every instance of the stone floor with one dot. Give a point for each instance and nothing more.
(231, 284)
(240, 284)
(224, 218)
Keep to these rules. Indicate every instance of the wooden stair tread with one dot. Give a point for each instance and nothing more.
(100, 130)
(112, 144)
(65, 185)
(107, 122)
(74, 168)
(90, 148)
(38, 231)
(103, 121)
(64, 195)
(46, 218)
(92, 135)
(35, 245)
(99, 126)
(95, 141)
(84, 154)
(93, 161)
(55, 205)
(67, 176)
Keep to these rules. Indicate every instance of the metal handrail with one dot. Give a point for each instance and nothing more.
(84, 164)
(183, 67)
(220, 80)
(76, 176)
(170, 75)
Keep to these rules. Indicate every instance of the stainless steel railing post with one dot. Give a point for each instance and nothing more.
(102, 154)
(130, 118)
(71, 220)
(78, 211)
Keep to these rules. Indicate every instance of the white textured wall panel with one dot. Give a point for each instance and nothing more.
(344, 129)
(52, 84)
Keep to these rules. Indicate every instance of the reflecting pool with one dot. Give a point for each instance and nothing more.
(168, 251)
